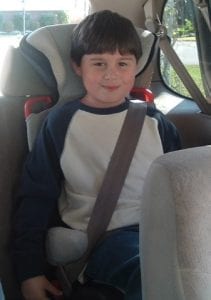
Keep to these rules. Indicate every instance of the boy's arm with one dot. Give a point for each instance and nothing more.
(168, 132)
(40, 189)
(169, 135)
(38, 196)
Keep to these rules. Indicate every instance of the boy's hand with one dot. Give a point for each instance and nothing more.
(38, 288)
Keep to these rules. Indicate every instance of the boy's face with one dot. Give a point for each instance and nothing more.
(108, 78)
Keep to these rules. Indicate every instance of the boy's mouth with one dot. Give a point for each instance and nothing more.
(111, 88)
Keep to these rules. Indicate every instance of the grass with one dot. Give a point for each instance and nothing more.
(176, 84)
(187, 38)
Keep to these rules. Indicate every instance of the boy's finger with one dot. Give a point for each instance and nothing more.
(53, 290)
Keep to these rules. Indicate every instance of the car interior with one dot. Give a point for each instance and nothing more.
(175, 240)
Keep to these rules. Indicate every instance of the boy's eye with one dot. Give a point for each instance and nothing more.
(123, 64)
(99, 64)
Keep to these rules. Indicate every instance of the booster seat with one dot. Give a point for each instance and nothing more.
(39, 69)
(54, 43)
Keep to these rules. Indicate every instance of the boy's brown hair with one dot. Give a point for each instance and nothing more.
(104, 31)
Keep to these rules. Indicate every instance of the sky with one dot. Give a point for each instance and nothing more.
(37, 4)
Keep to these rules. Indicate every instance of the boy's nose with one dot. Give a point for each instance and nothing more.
(111, 73)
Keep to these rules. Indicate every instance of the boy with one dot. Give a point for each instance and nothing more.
(73, 150)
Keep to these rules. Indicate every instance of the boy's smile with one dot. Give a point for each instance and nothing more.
(107, 77)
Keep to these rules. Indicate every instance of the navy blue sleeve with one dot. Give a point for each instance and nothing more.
(40, 188)
(168, 132)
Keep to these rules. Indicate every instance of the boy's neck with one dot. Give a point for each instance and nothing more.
(102, 104)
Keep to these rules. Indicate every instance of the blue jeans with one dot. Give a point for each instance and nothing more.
(116, 261)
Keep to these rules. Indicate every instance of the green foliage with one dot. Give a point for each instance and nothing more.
(62, 17)
(7, 26)
(33, 24)
(18, 21)
(1, 20)
(14, 20)
(178, 18)
(184, 31)
(47, 19)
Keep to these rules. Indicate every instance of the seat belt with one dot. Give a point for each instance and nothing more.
(145, 78)
(182, 72)
(109, 192)
(116, 172)
(203, 7)
(153, 23)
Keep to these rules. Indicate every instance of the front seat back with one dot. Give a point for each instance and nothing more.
(175, 235)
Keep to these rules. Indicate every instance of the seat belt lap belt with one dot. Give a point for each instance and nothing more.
(110, 190)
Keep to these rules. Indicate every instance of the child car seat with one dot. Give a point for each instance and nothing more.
(39, 69)
(48, 51)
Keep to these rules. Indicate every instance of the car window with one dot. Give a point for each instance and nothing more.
(20, 17)
(178, 17)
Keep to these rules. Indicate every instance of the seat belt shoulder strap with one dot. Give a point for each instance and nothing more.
(110, 189)
(116, 171)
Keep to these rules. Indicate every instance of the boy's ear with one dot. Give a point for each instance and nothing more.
(76, 68)
(137, 68)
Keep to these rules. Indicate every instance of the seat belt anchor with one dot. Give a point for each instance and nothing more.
(161, 29)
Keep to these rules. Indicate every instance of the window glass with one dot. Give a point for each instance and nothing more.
(178, 18)
(20, 17)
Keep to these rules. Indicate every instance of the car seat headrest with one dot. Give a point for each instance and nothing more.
(54, 43)
(18, 78)
(47, 50)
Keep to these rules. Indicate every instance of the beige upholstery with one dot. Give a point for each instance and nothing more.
(74, 244)
(175, 227)
(132, 9)
(12, 152)
(18, 78)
